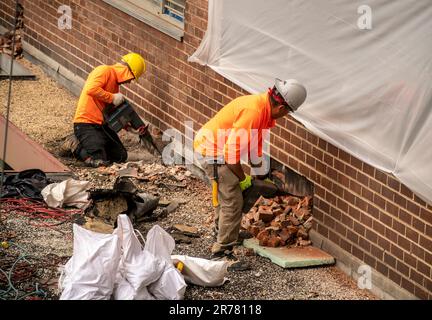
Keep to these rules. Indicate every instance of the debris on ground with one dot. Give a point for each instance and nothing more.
(187, 230)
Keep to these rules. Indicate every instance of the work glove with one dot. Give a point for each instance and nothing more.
(246, 183)
(118, 99)
(269, 180)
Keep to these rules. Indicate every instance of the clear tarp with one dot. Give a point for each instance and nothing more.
(367, 66)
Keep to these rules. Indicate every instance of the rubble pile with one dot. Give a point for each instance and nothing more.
(280, 221)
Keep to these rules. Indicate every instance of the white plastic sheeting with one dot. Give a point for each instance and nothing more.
(369, 90)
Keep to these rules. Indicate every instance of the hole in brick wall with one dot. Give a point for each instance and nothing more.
(290, 181)
(285, 218)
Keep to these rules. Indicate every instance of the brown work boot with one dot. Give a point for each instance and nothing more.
(69, 146)
(96, 163)
(235, 264)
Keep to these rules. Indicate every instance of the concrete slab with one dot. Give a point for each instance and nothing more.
(19, 71)
(285, 257)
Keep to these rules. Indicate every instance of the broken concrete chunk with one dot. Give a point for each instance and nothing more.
(181, 238)
(303, 243)
(187, 230)
(128, 172)
(172, 207)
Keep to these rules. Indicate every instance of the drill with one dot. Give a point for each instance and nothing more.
(124, 117)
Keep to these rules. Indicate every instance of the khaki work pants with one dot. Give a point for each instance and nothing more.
(229, 212)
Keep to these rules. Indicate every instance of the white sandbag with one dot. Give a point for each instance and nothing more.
(90, 273)
(70, 192)
(160, 243)
(139, 267)
(171, 285)
(124, 291)
(202, 272)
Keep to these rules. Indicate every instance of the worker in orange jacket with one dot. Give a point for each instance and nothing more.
(98, 144)
(235, 131)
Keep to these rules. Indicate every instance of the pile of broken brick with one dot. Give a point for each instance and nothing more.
(7, 37)
(280, 221)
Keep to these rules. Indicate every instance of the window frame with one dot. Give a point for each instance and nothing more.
(152, 15)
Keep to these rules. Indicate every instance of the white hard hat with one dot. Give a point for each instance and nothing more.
(293, 92)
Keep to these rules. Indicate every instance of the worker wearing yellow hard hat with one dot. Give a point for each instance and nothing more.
(98, 144)
(136, 64)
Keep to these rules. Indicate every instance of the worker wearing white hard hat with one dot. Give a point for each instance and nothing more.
(248, 114)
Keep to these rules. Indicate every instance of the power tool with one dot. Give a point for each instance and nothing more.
(124, 117)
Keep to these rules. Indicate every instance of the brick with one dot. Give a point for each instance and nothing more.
(400, 200)
(405, 216)
(382, 268)
(394, 184)
(404, 243)
(381, 176)
(378, 227)
(274, 242)
(375, 186)
(425, 243)
(421, 293)
(402, 268)
(345, 245)
(369, 260)
(385, 219)
(387, 193)
(383, 243)
(398, 227)
(368, 169)
(389, 260)
(412, 235)
(397, 252)
(395, 277)
(264, 214)
(357, 252)
(353, 237)
(410, 260)
(426, 215)
(428, 232)
(379, 201)
(417, 251)
(360, 229)
(424, 269)
(377, 252)
(408, 285)
(413, 208)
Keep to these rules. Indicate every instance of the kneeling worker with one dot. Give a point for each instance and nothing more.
(218, 141)
(98, 144)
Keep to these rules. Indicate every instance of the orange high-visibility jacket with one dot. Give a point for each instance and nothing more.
(220, 136)
(98, 91)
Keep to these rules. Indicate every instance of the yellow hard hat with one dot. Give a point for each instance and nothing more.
(136, 64)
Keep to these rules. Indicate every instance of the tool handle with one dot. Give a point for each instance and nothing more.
(215, 193)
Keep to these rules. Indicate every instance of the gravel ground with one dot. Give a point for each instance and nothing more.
(44, 111)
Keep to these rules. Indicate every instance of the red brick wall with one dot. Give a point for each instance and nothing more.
(365, 211)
